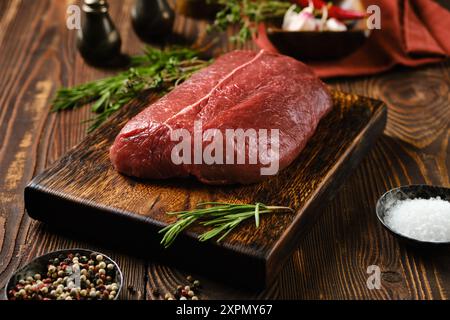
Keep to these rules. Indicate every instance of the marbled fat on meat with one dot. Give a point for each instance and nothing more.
(241, 89)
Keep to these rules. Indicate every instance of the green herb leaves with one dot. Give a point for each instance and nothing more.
(159, 70)
(221, 217)
(247, 14)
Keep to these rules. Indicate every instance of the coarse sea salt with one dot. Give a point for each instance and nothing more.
(421, 219)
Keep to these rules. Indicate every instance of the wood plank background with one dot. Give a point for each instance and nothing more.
(38, 55)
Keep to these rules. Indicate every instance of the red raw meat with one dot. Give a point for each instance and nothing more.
(241, 89)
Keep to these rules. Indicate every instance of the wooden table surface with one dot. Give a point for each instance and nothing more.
(38, 55)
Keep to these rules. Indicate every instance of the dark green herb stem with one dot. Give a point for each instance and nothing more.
(223, 218)
(158, 70)
(247, 14)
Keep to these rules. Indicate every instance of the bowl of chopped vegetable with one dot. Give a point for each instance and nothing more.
(316, 30)
(416, 214)
(72, 274)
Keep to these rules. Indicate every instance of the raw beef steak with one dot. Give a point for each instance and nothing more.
(240, 90)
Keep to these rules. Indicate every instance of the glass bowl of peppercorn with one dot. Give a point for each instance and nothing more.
(72, 274)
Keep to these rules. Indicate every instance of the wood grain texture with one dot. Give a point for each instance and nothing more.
(37, 55)
(83, 184)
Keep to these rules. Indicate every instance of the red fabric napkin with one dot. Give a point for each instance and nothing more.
(413, 32)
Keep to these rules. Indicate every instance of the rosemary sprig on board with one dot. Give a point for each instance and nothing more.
(159, 70)
(247, 14)
(221, 217)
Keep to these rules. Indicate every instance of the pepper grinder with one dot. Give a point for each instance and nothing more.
(152, 20)
(98, 39)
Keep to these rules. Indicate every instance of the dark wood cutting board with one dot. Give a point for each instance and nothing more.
(83, 194)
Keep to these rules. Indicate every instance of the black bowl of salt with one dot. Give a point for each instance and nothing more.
(417, 214)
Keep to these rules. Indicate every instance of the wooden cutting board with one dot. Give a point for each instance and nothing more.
(82, 194)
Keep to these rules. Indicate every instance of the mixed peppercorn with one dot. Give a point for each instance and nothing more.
(182, 292)
(70, 277)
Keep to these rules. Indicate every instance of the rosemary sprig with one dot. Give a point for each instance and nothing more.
(247, 14)
(159, 70)
(221, 217)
